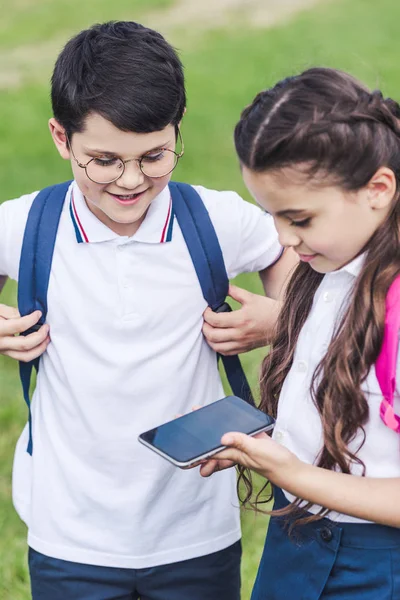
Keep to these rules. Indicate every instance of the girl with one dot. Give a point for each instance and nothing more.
(321, 153)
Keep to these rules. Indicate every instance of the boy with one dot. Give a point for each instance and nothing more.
(107, 518)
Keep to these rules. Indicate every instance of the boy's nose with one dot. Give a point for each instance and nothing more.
(132, 176)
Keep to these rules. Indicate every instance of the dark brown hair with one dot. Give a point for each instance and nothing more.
(328, 121)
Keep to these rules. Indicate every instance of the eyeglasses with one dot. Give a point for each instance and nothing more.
(154, 164)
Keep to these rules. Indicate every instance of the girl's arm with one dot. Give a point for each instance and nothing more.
(372, 499)
(3, 279)
(253, 325)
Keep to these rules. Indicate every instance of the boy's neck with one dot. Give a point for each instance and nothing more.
(122, 229)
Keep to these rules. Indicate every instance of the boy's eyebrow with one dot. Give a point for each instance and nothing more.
(108, 153)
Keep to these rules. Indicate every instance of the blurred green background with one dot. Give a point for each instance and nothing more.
(231, 49)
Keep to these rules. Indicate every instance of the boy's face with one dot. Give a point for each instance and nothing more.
(121, 204)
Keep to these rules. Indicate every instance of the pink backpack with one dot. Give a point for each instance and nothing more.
(385, 366)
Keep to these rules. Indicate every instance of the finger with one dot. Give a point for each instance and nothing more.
(224, 319)
(193, 465)
(232, 455)
(260, 436)
(228, 348)
(239, 294)
(26, 343)
(31, 355)
(238, 440)
(8, 312)
(12, 326)
(216, 335)
(239, 446)
(209, 467)
(212, 466)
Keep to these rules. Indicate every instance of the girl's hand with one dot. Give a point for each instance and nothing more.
(260, 454)
(212, 465)
(241, 330)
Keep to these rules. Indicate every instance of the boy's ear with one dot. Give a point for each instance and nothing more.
(59, 138)
(382, 188)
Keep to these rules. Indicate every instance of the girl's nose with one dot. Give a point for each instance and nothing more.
(287, 236)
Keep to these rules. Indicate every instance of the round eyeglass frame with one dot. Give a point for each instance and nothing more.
(178, 155)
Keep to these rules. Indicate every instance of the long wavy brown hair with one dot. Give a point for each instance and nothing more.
(326, 119)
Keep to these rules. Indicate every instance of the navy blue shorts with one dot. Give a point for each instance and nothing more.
(329, 561)
(212, 577)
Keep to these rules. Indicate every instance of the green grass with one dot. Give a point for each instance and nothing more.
(224, 69)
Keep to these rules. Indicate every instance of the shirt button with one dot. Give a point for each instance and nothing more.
(121, 248)
(328, 297)
(302, 366)
(278, 437)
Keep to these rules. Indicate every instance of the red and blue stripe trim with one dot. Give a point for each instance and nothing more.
(166, 235)
(80, 233)
(82, 237)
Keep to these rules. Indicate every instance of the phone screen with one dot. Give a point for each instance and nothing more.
(199, 432)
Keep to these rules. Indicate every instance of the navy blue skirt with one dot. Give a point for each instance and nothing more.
(328, 561)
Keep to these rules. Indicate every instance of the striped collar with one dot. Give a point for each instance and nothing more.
(156, 228)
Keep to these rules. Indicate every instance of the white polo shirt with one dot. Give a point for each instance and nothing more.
(126, 354)
(298, 425)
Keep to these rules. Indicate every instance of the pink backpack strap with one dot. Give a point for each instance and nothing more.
(386, 363)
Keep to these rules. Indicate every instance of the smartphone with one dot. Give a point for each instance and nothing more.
(197, 435)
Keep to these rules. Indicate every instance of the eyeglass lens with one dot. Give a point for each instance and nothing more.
(106, 170)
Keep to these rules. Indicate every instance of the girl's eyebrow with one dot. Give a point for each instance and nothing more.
(108, 153)
(290, 211)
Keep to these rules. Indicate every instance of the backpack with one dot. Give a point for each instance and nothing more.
(385, 366)
(202, 243)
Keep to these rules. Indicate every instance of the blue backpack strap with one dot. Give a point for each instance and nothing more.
(206, 254)
(34, 269)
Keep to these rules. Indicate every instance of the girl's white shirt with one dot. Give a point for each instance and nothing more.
(298, 425)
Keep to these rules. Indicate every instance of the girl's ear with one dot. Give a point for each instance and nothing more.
(59, 138)
(381, 188)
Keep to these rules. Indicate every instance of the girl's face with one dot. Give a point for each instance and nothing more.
(327, 226)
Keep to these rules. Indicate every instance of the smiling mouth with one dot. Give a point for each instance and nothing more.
(127, 198)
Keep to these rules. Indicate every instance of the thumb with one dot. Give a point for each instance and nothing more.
(239, 294)
(240, 441)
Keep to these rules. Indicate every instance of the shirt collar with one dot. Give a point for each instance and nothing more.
(354, 267)
(156, 227)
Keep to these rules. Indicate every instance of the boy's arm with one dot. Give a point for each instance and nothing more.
(13, 216)
(251, 326)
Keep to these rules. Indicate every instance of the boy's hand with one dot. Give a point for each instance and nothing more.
(20, 347)
(241, 330)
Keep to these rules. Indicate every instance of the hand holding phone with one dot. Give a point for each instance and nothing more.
(197, 435)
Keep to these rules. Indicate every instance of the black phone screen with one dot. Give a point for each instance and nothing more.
(200, 432)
